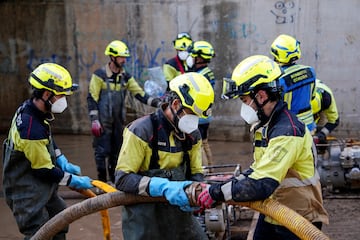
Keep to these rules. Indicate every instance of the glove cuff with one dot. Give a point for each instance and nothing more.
(324, 131)
(94, 115)
(226, 191)
(154, 102)
(58, 152)
(65, 181)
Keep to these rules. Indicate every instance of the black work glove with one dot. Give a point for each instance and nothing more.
(322, 137)
(156, 102)
(320, 141)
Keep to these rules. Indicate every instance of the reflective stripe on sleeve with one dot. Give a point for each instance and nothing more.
(226, 190)
(64, 181)
(144, 182)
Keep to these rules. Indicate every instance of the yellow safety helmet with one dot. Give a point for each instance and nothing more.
(202, 49)
(251, 74)
(195, 92)
(52, 77)
(285, 49)
(182, 41)
(117, 49)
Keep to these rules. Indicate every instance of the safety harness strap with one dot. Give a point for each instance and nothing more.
(154, 160)
(181, 68)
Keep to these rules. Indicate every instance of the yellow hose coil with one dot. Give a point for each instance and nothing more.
(296, 223)
(105, 218)
(287, 217)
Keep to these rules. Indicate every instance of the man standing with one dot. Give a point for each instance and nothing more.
(160, 157)
(106, 104)
(297, 81)
(283, 166)
(33, 165)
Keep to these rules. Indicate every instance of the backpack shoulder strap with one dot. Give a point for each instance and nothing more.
(154, 160)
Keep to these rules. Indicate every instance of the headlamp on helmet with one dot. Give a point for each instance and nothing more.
(230, 89)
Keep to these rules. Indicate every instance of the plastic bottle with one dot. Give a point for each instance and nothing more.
(156, 85)
(153, 89)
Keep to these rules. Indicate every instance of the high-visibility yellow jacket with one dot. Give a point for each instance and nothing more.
(324, 108)
(283, 168)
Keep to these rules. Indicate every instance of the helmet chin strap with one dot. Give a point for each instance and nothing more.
(49, 115)
(47, 102)
(180, 135)
(260, 112)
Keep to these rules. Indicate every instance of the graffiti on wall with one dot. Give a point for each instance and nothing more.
(284, 12)
(86, 61)
(142, 55)
(150, 58)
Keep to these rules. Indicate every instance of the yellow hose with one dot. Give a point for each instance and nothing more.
(296, 223)
(103, 186)
(286, 216)
(105, 218)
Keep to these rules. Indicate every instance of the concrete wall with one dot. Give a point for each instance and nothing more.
(74, 33)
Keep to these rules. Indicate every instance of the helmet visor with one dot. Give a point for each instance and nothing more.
(183, 35)
(230, 90)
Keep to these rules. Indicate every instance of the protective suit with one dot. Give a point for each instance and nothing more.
(30, 186)
(160, 157)
(106, 104)
(158, 220)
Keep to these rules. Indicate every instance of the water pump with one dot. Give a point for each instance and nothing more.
(339, 165)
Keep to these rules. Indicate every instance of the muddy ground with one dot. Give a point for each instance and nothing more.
(344, 213)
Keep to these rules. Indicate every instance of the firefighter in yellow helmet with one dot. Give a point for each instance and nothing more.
(33, 166)
(106, 104)
(283, 167)
(201, 54)
(161, 156)
(325, 111)
(297, 81)
(177, 65)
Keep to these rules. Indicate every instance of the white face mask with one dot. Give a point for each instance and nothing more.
(183, 55)
(248, 113)
(188, 123)
(190, 61)
(59, 105)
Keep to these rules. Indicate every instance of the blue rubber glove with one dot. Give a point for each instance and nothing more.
(64, 164)
(173, 191)
(80, 182)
